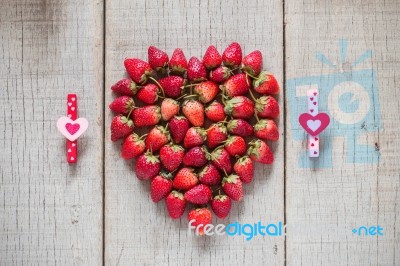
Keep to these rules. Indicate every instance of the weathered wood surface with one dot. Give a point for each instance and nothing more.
(50, 213)
(330, 202)
(136, 229)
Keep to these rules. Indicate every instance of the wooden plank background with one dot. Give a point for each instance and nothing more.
(139, 230)
(52, 213)
(348, 195)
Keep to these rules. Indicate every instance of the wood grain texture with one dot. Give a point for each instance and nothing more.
(50, 213)
(330, 202)
(137, 231)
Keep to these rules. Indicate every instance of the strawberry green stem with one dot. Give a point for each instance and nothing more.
(143, 136)
(211, 156)
(130, 111)
(174, 170)
(223, 100)
(248, 74)
(256, 116)
(180, 97)
(191, 85)
(252, 96)
(190, 96)
(158, 84)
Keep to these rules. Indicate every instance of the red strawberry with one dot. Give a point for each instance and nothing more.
(252, 63)
(221, 205)
(267, 107)
(133, 146)
(171, 157)
(240, 127)
(146, 116)
(236, 85)
(212, 58)
(199, 218)
(215, 112)
(200, 194)
(244, 168)
(125, 87)
(266, 129)
(194, 112)
(220, 74)
(185, 179)
(196, 70)
(160, 188)
(239, 107)
(260, 152)
(148, 94)
(158, 59)
(172, 86)
(195, 136)
(178, 63)
(220, 158)
(232, 187)
(147, 166)
(210, 175)
(169, 108)
(266, 84)
(216, 134)
(235, 146)
(178, 126)
(207, 90)
(195, 157)
(137, 69)
(122, 105)
(176, 204)
(157, 138)
(121, 126)
(232, 56)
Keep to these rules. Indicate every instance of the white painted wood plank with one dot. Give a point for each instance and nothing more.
(138, 231)
(329, 202)
(50, 213)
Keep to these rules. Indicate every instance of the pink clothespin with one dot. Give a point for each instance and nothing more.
(72, 127)
(313, 122)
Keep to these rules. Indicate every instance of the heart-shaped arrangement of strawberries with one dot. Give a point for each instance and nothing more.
(202, 124)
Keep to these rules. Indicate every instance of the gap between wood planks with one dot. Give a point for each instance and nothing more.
(284, 122)
(104, 133)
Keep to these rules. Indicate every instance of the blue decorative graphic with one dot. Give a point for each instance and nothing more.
(351, 99)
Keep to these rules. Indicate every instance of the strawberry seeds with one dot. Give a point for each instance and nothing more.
(196, 127)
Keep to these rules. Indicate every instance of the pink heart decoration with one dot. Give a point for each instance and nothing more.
(72, 129)
(314, 124)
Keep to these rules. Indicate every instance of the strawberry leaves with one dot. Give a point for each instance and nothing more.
(203, 124)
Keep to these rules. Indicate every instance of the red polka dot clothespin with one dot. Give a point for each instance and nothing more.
(72, 127)
(313, 122)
